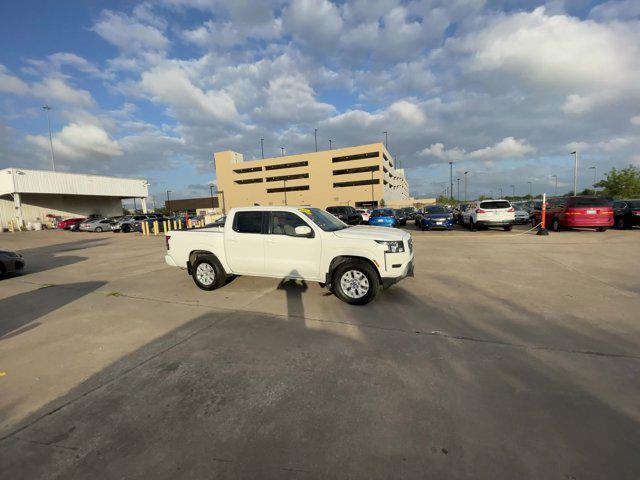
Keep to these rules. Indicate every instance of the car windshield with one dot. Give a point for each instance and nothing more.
(589, 202)
(323, 219)
(435, 209)
(383, 212)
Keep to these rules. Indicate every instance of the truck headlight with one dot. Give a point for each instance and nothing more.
(392, 246)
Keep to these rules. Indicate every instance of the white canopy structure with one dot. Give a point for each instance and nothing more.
(36, 195)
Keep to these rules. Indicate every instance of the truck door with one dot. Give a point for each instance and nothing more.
(288, 255)
(244, 243)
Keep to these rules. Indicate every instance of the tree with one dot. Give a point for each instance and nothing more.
(624, 183)
(382, 202)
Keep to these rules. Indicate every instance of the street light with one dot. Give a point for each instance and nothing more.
(513, 192)
(262, 146)
(458, 181)
(47, 109)
(465, 186)
(530, 187)
(168, 202)
(282, 150)
(386, 140)
(211, 185)
(315, 135)
(330, 147)
(555, 191)
(285, 191)
(451, 180)
(595, 177)
(575, 173)
(500, 188)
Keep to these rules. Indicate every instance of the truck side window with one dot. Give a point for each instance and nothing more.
(285, 223)
(248, 222)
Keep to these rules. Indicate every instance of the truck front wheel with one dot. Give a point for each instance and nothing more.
(207, 273)
(355, 282)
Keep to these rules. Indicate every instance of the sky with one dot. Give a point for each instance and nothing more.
(151, 89)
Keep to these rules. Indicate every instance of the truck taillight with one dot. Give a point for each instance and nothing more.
(479, 210)
(166, 240)
(635, 212)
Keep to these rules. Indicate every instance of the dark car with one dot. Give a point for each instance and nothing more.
(347, 214)
(401, 216)
(626, 213)
(458, 211)
(10, 263)
(436, 216)
(576, 212)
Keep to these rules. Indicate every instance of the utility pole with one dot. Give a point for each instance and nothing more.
(530, 187)
(465, 186)
(595, 177)
(262, 146)
(458, 181)
(555, 192)
(211, 191)
(575, 173)
(47, 109)
(168, 202)
(386, 140)
(282, 150)
(451, 180)
(315, 135)
(513, 192)
(330, 147)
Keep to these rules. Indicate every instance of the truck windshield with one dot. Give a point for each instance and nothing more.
(324, 220)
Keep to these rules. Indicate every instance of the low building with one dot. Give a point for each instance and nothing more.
(192, 205)
(38, 196)
(361, 176)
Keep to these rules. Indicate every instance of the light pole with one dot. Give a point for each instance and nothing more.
(386, 140)
(530, 187)
(211, 191)
(513, 192)
(500, 188)
(595, 177)
(575, 173)
(47, 109)
(330, 147)
(465, 186)
(555, 191)
(315, 136)
(451, 180)
(168, 202)
(458, 181)
(282, 151)
(262, 146)
(285, 191)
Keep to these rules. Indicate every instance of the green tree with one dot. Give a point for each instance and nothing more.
(382, 202)
(623, 183)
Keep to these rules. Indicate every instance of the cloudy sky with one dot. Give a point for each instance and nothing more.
(505, 89)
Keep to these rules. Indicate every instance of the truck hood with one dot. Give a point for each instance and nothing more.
(372, 233)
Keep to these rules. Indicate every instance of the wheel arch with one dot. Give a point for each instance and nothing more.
(340, 259)
(196, 253)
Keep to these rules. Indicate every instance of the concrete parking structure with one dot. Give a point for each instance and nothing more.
(507, 356)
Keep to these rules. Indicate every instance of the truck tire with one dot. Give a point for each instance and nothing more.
(355, 282)
(207, 273)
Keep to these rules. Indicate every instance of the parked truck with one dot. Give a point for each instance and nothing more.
(354, 262)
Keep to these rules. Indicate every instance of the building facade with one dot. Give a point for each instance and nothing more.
(360, 176)
(38, 195)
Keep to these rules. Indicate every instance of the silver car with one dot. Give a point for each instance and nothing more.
(97, 225)
(522, 216)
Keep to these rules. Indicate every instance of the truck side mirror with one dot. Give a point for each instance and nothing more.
(303, 231)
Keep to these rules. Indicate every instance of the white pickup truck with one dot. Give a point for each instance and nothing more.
(354, 262)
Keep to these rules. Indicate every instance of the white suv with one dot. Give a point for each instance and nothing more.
(489, 213)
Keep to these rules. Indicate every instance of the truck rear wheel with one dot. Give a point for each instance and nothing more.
(207, 273)
(355, 282)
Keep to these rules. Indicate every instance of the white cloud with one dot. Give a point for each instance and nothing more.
(56, 89)
(635, 120)
(128, 34)
(316, 23)
(79, 140)
(508, 148)
(12, 84)
(616, 10)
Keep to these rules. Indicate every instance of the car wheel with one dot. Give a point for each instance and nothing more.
(125, 229)
(601, 229)
(98, 229)
(355, 282)
(555, 225)
(207, 273)
(621, 224)
(507, 228)
(472, 225)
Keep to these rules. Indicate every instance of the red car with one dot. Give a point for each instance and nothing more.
(576, 212)
(69, 222)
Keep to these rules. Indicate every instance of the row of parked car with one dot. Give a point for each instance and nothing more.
(124, 224)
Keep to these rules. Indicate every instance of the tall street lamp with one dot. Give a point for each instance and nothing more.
(168, 202)
(513, 192)
(555, 191)
(262, 146)
(458, 181)
(285, 191)
(330, 146)
(211, 191)
(575, 173)
(386, 140)
(47, 109)
(451, 180)
(500, 188)
(465, 186)
(530, 187)
(315, 136)
(282, 151)
(595, 176)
